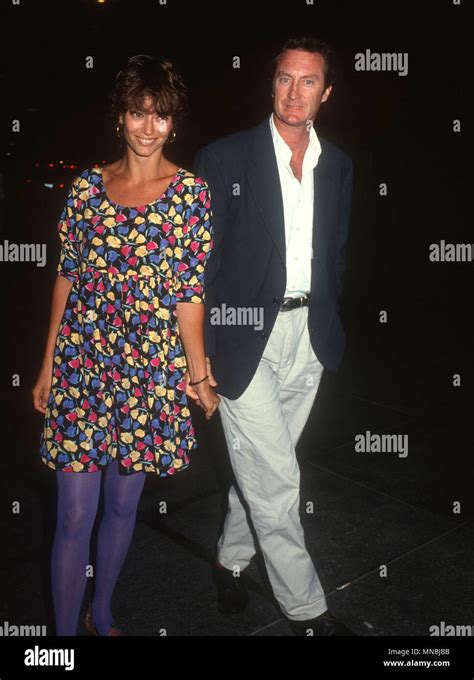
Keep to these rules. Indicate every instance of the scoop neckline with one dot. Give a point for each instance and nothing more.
(99, 170)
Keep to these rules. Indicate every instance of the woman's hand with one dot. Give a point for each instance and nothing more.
(207, 398)
(42, 388)
(190, 390)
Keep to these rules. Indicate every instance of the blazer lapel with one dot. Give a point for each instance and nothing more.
(264, 182)
(324, 195)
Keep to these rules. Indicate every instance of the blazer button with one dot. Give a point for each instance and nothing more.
(264, 336)
(276, 300)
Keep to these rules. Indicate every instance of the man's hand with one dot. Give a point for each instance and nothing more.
(208, 400)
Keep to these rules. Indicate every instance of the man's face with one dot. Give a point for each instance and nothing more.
(299, 87)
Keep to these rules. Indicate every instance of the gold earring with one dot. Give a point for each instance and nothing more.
(118, 130)
(170, 141)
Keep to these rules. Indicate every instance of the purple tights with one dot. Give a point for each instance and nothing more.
(78, 499)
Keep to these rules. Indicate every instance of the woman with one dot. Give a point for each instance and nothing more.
(135, 236)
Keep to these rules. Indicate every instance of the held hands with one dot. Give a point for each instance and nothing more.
(203, 393)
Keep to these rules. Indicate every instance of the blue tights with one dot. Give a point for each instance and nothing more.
(78, 499)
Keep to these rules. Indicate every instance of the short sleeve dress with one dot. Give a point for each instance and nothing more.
(118, 387)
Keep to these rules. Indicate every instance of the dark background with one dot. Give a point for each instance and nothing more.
(396, 377)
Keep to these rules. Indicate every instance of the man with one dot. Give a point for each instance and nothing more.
(281, 202)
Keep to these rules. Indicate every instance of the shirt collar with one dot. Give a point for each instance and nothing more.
(284, 152)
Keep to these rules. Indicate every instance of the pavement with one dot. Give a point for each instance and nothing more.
(391, 536)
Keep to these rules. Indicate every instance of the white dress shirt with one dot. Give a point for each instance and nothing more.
(298, 206)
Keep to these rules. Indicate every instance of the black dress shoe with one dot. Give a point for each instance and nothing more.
(325, 624)
(232, 596)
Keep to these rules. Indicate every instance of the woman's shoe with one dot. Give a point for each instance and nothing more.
(92, 630)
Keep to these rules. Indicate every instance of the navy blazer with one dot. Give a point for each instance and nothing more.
(247, 267)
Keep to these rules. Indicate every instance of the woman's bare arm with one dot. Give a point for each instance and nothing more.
(191, 330)
(61, 290)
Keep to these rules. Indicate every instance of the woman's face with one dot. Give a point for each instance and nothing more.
(144, 131)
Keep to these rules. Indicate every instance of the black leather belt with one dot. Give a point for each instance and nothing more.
(294, 302)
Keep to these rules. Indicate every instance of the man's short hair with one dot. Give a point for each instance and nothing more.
(310, 43)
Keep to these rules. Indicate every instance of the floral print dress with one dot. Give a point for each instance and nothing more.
(118, 388)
